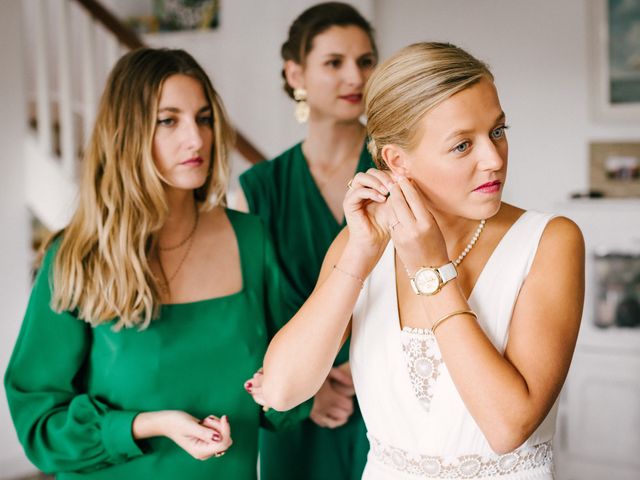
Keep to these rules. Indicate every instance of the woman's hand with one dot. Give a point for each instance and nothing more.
(341, 379)
(200, 439)
(253, 386)
(416, 236)
(363, 210)
(222, 433)
(331, 408)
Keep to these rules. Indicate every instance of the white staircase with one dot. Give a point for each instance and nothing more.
(67, 57)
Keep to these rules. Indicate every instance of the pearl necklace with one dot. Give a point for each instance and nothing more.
(470, 245)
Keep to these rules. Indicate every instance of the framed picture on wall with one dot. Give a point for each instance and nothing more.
(177, 15)
(615, 168)
(615, 57)
(187, 14)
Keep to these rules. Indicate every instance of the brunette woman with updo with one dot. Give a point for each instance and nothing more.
(328, 57)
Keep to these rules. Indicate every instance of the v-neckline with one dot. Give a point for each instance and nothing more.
(499, 246)
(316, 189)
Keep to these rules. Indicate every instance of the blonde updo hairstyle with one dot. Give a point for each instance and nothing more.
(409, 84)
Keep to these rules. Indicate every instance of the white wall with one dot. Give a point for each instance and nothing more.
(14, 237)
(539, 55)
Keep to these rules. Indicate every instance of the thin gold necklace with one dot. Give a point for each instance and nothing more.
(186, 239)
(168, 279)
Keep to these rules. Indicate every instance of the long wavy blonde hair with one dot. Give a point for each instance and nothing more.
(409, 84)
(102, 270)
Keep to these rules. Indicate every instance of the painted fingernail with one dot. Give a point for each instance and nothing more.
(211, 417)
(216, 437)
(248, 386)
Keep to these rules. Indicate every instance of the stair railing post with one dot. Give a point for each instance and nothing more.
(43, 100)
(68, 149)
(88, 72)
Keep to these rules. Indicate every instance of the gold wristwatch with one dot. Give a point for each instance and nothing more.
(430, 280)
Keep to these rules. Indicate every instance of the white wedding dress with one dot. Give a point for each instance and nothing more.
(417, 424)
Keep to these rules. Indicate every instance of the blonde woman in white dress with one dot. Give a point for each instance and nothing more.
(463, 310)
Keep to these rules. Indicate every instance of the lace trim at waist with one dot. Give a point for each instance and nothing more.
(463, 466)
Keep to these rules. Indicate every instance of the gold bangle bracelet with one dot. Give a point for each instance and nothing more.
(449, 315)
(344, 272)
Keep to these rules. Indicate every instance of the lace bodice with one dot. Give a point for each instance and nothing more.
(413, 412)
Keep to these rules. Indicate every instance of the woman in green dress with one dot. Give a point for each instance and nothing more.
(154, 305)
(328, 57)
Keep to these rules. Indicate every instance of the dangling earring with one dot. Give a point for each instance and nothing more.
(302, 107)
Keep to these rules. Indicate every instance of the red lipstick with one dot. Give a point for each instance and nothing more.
(353, 98)
(489, 187)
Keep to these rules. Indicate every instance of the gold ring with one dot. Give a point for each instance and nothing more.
(349, 186)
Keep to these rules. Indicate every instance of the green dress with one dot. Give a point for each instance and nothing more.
(283, 193)
(74, 390)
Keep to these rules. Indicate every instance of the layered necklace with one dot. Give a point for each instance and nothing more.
(166, 280)
(471, 243)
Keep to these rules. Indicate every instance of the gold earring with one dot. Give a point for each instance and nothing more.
(302, 107)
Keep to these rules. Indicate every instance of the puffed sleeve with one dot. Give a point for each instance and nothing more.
(61, 427)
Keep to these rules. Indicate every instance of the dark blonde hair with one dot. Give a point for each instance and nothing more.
(314, 21)
(409, 84)
(102, 269)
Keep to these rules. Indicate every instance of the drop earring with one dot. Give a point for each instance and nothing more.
(302, 107)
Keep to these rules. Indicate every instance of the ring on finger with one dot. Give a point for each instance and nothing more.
(350, 184)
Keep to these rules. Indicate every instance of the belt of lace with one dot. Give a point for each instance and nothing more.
(464, 466)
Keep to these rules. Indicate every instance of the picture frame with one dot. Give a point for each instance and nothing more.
(615, 76)
(175, 15)
(615, 169)
(164, 16)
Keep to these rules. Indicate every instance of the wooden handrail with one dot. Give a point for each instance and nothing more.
(128, 37)
(124, 34)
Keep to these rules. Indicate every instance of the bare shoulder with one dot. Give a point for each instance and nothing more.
(214, 223)
(561, 256)
(562, 235)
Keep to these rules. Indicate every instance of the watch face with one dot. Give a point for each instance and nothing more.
(427, 281)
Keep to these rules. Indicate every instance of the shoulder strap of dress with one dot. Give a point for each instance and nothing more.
(250, 237)
(528, 233)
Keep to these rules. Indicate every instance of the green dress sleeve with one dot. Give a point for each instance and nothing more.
(61, 428)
